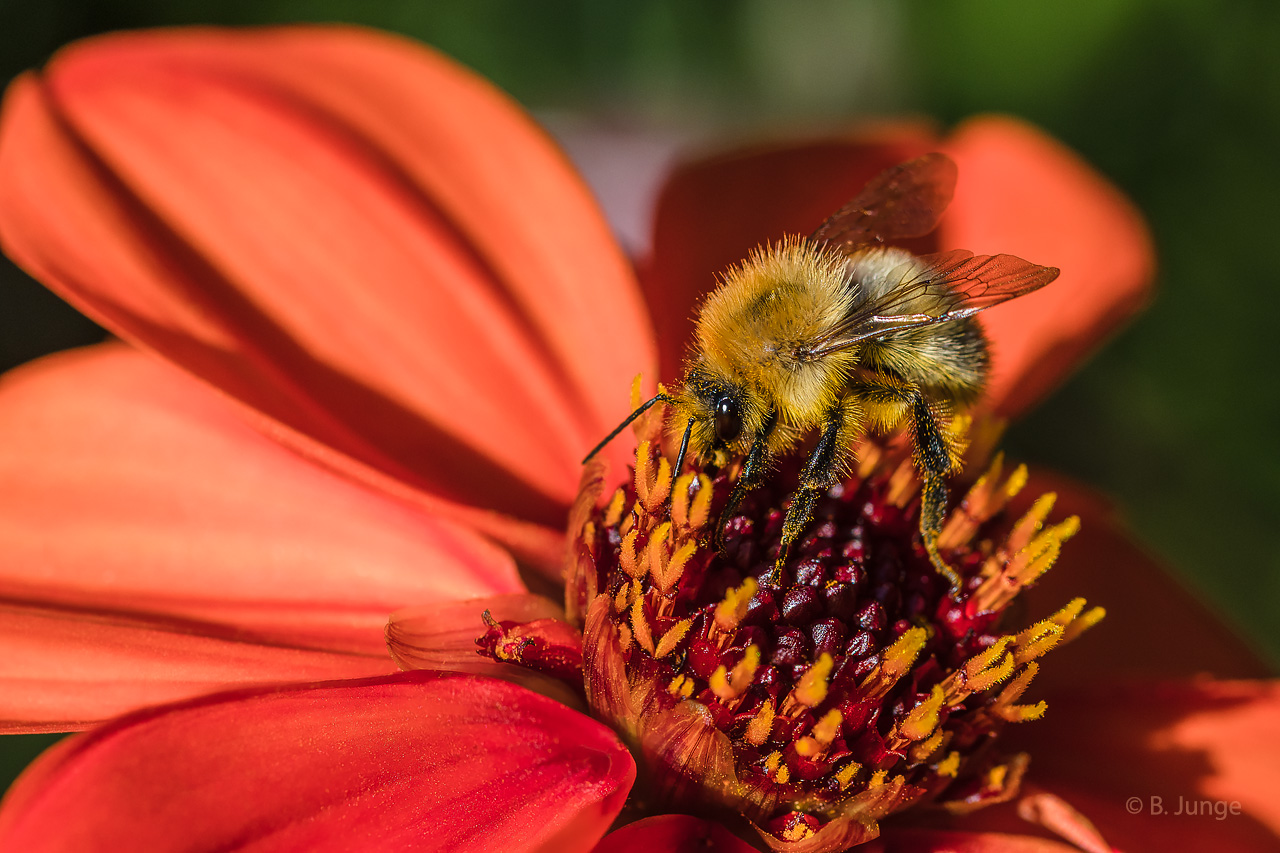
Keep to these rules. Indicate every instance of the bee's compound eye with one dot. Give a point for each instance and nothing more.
(728, 420)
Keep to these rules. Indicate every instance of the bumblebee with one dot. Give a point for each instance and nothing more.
(841, 333)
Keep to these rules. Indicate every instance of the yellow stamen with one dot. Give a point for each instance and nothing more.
(613, 514)
(674, 570)
(812, 687)
(923, 718)
(826, 729)
(1035, 641)
(950, 765)
(672, 638)
(761, 725)
(640, 625)
(845, 774)
(627, 556)
(730, 612)
(877, 779)
(1084, 623)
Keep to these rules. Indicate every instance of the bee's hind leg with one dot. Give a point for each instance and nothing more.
(822, 470)
(935, 460)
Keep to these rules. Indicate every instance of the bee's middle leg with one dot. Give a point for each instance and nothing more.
(844, 422)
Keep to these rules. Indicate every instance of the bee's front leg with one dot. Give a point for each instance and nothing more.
(843, 423)
(752, 467)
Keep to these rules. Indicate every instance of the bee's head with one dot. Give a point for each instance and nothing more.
(719, 414)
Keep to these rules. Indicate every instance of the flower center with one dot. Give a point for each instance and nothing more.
(853, 686)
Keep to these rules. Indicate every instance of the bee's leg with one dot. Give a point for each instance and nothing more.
(893, 401)
(935, 461)
(844, 423)
(752, 467)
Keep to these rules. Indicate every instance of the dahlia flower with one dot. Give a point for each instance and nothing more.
(370, 321)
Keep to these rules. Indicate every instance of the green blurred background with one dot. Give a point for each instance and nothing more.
(1177, 101)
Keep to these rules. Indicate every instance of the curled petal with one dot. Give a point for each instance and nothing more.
(135, 502)
(1024, 193)
(407, 761)
(444, 637)
(1129, 757)
(364, 243)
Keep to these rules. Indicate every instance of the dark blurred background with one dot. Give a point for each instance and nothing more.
(1177, 101)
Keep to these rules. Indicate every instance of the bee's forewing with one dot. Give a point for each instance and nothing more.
(902, 202)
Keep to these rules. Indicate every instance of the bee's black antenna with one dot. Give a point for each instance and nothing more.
(684, 445)
(644, 407)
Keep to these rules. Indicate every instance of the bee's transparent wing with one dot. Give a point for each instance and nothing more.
(901, 202)
(934, 289)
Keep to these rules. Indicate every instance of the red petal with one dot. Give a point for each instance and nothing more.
(1023, 193)
(132, 493)
(1154, 626)
(353, 235)
(711, 213)
(405, 762)
(673, 834)
(1109, 751)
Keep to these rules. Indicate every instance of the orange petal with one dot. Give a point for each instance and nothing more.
(345, 231)
(131, 491)
(407, 762)
(1155, 627)
(1130, 757)
(1023, 193)
(711, 213)
(65, 670)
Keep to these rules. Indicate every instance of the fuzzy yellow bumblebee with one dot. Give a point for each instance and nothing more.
(840, 333)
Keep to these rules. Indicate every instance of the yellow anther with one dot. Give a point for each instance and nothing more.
(744, 671)
(640, 625)
(772, 762)
(761, 725)
(672, 638)
(1035, 641)
(950, 765)
(1013, 691)
(1068, 614)
(1015, 484)
(812, 687)
(783, 776)
(674, 570)
(826, 729)
(1029, 525)
(808, 747)
(927, 747)
(901, 656)
(681, 686)
(719, 683)
(617, 504)
(653, 482)
(877, 779)
(1083, 623)
(680, 500)
(700, 509)
(730, 612)
(627, 556)
(846, 773)
(989, 668)
(658, 552)
(996, 776)
(1021, 713)
(923, 718)
(635, 391)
